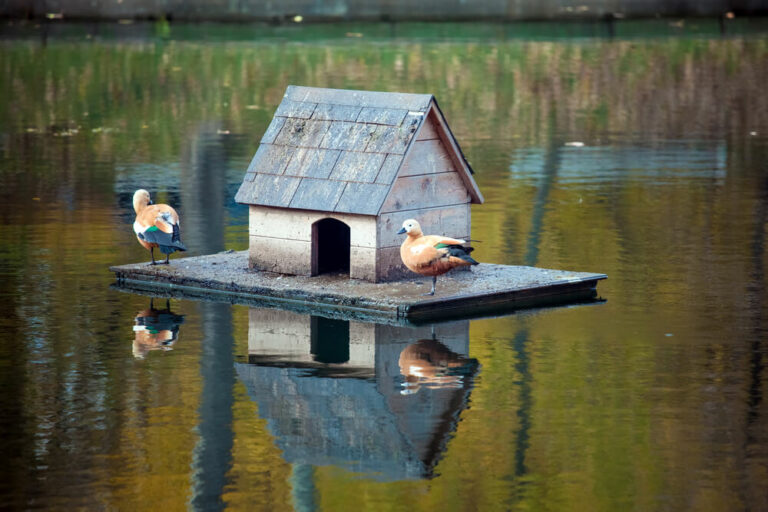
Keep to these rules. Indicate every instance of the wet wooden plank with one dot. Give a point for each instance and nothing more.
(270, 159)
(486, 289)
(389, 169)
(453, 221)
(355, 166)
(314, 194)
(414, 192)
(362, 198)
(427, 157)
(388, 116)
(349, 136)
(375, 99)
(330, 112)
(302, 132)
(313, 163)
(272, 130)
(268, 189)
(428, 130)
(295, 109)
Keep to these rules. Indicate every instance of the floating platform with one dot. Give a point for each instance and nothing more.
(485, 290)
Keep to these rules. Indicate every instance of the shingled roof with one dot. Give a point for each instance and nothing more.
(335, 150)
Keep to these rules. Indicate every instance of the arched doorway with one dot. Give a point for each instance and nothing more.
(330, 247)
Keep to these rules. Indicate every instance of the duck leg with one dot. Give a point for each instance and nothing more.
(152, 254)
(167, 262)
(432, 292)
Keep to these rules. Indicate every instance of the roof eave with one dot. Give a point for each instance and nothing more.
(457, 155)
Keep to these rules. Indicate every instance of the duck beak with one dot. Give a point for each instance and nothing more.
(402, 230)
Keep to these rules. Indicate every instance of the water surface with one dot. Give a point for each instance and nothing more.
(652, 400)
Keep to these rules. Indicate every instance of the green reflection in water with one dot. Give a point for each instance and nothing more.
(651, 400)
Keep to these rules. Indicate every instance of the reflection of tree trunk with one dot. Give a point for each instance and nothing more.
(524, 411)
(213, 452)
(203, 189)
(303, 487)
(757, 291)
(551, 167)
(550, 171)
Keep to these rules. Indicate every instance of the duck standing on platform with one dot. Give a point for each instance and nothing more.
(432, 255)
(156, 225)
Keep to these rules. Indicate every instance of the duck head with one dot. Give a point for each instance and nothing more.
(141, 200)
(411, 227)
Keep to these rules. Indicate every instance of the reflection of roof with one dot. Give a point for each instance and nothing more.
(358, 424)
(334, 150)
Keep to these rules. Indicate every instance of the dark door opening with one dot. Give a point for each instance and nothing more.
(329, 340)
(330, 247)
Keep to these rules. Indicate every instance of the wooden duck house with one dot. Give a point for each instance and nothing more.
(338, 171)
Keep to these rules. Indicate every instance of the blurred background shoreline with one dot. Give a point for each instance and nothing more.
(290, 11)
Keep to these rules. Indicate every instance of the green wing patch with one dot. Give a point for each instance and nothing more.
(441, 246)
(152, 229)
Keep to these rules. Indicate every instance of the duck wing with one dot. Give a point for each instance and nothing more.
(450, 248)
(159, 224)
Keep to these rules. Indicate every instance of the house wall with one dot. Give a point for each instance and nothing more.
(429, 189)
(281, 241)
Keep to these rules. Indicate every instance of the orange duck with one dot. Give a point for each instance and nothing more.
(156, 225)
(432, 255)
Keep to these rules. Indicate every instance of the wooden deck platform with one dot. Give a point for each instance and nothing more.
(488, 289)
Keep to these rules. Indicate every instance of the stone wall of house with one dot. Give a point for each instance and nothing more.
(280, 240)
(339, 10)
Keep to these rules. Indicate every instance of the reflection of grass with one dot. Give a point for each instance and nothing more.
(356, 32)
(127, 99)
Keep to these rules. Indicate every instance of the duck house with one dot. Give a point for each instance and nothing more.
(338, 171)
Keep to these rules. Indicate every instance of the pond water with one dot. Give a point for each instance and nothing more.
(654, 399)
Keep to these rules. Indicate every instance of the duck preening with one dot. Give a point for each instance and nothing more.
(432, 255)
(156, 225)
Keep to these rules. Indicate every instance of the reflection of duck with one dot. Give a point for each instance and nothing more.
(431, 364)
(155, 329)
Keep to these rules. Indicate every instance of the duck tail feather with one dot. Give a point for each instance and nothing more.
(461, 252)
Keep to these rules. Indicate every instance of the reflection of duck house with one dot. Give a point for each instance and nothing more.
(333, 393)
(338, 171)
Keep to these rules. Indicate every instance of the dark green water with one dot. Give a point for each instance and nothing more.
(652, 400)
